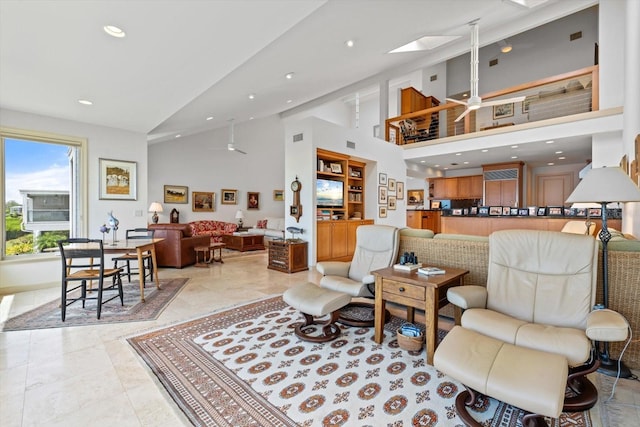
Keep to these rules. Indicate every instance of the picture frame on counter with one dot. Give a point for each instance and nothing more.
(435, 205)
(554, 211)
(513, 211)
(506, 210)
(595, 212)
(581, 212)
(473, 210)
(542, 211)
(569, 212)
(532, 210)
(456, 212)
(523, 212)
(483, 211)
(495, 210)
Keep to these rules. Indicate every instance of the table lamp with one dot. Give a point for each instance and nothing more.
(240, 217)
(602, 186)
(155, 207)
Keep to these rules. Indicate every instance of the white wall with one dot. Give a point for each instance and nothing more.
(203, 163)
(103, 142)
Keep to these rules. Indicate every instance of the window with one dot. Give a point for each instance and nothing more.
(41, 197)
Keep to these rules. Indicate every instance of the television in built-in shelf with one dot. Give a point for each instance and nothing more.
(329, 193)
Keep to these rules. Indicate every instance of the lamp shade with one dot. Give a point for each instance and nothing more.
(239, 214)
(155, 207)
(604, 185)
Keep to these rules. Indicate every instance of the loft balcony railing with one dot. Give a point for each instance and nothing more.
(563, 95)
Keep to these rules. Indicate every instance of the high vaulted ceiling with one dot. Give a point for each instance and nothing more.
(185, 60)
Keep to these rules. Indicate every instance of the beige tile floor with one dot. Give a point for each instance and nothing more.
(89, 375)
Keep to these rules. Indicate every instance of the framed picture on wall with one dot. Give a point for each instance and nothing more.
(176, 194)
(229, 197)
(400, 190)
(203, 202)
(382, 211)
(392, 203)
(502, 111)
(382, 195)
(253, 200)
(118, 179)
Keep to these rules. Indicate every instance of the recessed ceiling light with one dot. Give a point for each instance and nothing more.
(466, 163)
(514, 157)
(425, 43)
(464, 95)
(289, 101)
(350, 43)
(446, 168)
(423, 161)
(252, 96)
(437, 166)
(484, 151)
(85, 102)
(550, 164)
(114, 31)
(561, 158)
(458, 154)
(289, 76)
(558, 152)
(210, 118)
(514, 146)
(178, 136)
(251, 118)
(550, 142)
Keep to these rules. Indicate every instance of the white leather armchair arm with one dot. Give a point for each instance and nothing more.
(333, 268)
(607, 326)
(471, 296)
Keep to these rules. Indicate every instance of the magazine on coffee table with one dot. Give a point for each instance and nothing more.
(406, 267)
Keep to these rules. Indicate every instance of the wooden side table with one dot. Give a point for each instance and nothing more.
(414, 290)
(209, 254)
(288, 256)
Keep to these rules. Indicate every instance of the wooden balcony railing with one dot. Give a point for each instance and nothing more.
(562, 95)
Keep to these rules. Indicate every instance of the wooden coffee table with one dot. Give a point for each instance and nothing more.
(244, 242)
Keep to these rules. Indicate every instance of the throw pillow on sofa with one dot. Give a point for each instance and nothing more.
(262, 223)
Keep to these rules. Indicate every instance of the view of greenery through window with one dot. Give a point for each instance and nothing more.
(37, 189)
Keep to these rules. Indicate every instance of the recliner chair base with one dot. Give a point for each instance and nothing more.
(359, 314)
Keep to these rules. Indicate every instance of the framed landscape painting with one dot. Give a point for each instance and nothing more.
(118, 179)
(176, 194)
(203, 202)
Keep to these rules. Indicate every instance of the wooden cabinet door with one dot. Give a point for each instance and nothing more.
(451, 188)
(323, 241)
(509, 193)
(476, 187)
(464, 187)
(553, 190)
(493, 193)
(439, 188)
(339, 239)
(414, 219)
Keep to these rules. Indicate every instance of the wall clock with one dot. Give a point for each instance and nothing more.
(296, 208)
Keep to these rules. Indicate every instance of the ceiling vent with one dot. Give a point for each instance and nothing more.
(433, 78)
(298, 137)
(575, 36)
(351, 144)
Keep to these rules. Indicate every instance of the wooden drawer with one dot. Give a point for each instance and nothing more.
(393, 288)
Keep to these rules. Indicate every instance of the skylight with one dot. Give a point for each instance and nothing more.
(425, 43)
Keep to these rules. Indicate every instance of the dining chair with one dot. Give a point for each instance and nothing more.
(147, 265)
(83, 261)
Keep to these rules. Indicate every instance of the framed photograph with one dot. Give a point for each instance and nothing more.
(435, 204)
(526, 102)
(228, 197)
(278, 195)
(483, 210)
(393, 134)
(503, 110)
(473, 210)
(203, 202)
(569, 212)
(456, 212)
(118, 179)
(542, 211)
(382, 178)
(392, 203)
(532, 210)
(253, 200)
(382, 211)
(554, 211)
(513, 212)
(523, 212)
(176, 194)
(391, 185)
(582, 212)
(336, 168)
(400, 190)
(382, 195)
(495, 210)
(595, 212)
(506, 210)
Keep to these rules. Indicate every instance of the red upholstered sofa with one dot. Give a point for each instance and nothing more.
(213, 229)
(176, 250)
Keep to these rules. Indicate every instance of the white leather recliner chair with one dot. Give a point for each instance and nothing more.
(376, 248)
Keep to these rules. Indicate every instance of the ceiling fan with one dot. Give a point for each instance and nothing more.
(231, 145)
(475, 102)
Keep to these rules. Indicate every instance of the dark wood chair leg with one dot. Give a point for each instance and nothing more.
(330, 330)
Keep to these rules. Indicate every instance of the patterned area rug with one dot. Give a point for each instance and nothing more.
(244, 366)
(48, 315)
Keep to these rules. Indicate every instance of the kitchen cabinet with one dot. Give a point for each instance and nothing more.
(429, 220)
(464, 187)
(503, 184)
